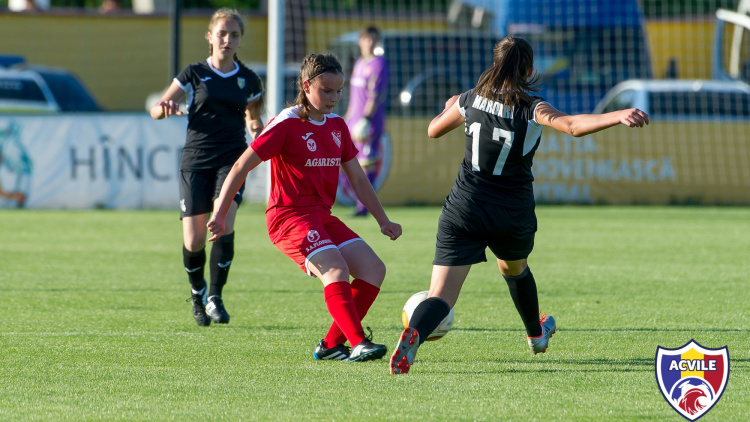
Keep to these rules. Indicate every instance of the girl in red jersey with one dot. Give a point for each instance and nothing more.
(307, 144)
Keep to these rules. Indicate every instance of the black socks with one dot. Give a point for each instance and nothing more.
(194, 265)
(222, 253)
(428, 315)
(523, 292)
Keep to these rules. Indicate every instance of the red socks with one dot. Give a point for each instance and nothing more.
(364, 295)
(341, 306)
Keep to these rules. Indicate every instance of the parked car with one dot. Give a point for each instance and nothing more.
(673, 99)
(426, 68)
(38, 89)
(695, 150)
(291, 71)
(582, 48)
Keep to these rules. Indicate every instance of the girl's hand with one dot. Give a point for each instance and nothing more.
(169, 108)
(633, 118)
(391, 229)
(216, 227)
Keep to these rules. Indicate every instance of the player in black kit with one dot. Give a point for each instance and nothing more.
(492, 202)
(224, 99)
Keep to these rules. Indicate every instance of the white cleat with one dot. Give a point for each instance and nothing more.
(539, 344)
(406, 350)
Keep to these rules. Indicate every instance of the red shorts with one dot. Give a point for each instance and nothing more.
(305, 234)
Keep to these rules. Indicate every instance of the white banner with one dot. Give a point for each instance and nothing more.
(82, 161)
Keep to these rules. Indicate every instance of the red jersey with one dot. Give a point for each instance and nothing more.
(305, 160)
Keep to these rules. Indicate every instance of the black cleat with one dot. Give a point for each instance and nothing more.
(337, 352)
(199, 309)
(367, 350)
(215, 309)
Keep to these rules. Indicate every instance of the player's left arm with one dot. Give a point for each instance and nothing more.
(253, 119)
(366, 194)
(585, 124)
(448, 119)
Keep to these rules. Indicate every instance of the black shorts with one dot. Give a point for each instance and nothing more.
(466, 229)
(199, 189)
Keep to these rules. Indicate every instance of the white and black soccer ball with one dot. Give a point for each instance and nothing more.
(411, 304)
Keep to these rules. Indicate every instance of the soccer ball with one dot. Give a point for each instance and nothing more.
(411, 304)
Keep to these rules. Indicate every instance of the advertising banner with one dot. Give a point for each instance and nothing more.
(665, 163)
(86, 161)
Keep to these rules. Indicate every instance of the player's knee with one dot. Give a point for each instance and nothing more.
(379, 270)
(194, 245)
(512, 268)
(374, 272)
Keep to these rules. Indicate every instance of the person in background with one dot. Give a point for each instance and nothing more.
(224, 101)
(110, 6)
(492, 202)
(368, 94)
(307, 144)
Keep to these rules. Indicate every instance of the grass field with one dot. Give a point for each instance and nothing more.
(97, 328)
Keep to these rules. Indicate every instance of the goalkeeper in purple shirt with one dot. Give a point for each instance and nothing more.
(368, 91)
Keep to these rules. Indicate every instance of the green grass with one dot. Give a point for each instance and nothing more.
(96, 326)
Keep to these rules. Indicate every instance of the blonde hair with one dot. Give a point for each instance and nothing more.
(508, 79)
(313, 65)
(226, 13)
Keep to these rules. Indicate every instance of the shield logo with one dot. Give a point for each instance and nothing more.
(336, 134)
(241, 82)
(692, 378)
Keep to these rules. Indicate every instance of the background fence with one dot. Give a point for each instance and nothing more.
(695, 153)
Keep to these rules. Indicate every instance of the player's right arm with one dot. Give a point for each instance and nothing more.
(584, 124)
(247, 161)
(169, 103)
(449, 119)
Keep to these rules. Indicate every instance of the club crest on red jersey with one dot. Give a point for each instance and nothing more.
(311, 145)
(337, 137)
(313, 236)
(692, 378)
(241, 82)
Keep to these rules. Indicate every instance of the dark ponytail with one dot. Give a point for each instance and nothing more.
(508, 79)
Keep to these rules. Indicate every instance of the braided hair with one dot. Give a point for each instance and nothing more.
(313, 65)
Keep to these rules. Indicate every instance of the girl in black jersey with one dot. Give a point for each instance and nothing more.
(224, 99)
(492, 202)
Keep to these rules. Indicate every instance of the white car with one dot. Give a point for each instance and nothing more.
(676, 99)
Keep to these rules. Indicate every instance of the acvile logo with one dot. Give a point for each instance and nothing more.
(692, 378)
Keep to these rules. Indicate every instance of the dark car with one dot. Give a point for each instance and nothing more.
(37, 89)
(426, 68)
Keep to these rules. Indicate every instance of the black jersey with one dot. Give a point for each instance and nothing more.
(216, 113)
(500, 145)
